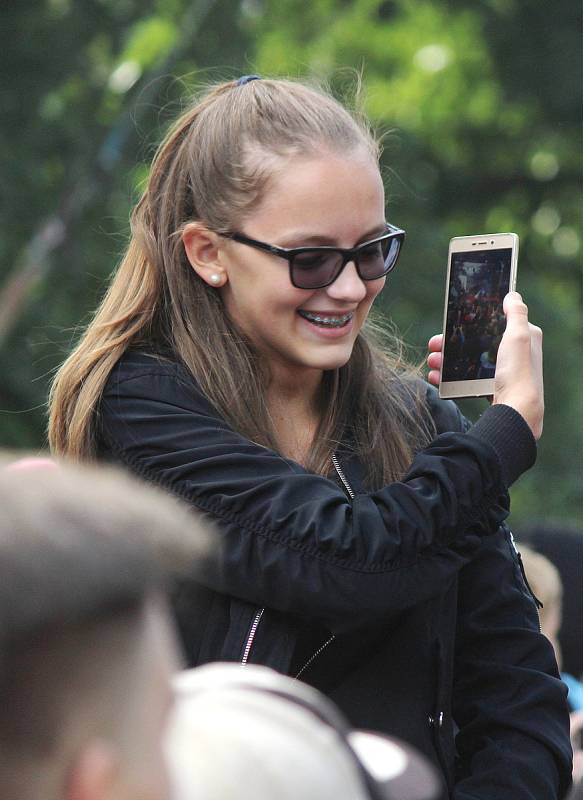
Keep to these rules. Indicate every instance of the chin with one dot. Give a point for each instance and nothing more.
(328, 364)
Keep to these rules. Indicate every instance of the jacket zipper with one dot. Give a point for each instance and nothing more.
(342, 476)
(313, 657)
(251, 636)
(329, 641)
(437, 717)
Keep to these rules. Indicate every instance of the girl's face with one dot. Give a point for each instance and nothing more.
(328, 199)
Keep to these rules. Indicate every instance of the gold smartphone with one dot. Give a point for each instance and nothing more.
(481, 270)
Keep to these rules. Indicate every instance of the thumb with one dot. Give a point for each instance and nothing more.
(515, 309)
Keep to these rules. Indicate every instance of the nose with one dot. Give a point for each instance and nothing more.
(348, 285)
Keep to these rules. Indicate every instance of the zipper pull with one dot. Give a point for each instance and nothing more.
(537, 602)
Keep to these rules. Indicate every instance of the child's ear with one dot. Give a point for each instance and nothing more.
(94, 773)
(202, 248)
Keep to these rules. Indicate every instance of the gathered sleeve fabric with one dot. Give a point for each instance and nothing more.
(292, 539)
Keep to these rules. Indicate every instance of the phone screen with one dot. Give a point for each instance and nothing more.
(475, 321)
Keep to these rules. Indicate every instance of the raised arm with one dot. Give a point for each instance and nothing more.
(294, 540)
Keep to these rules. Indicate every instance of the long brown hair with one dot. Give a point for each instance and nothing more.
(214, 166)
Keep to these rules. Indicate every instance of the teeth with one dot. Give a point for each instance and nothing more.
(330, 322)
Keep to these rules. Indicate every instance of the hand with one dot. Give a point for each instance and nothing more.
(435, 347)
(518, 381)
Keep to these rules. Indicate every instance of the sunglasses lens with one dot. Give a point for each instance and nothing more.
(378, 258)
(392, 249)
(315, 268)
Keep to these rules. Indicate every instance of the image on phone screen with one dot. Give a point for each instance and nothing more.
(475, 321)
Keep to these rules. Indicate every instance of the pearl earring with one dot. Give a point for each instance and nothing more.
(215, 279)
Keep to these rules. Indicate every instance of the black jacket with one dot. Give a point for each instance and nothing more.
(406, 605)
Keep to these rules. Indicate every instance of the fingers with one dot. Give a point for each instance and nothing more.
(433, 377)
(435, 344)
(434, 361)
(536, 335)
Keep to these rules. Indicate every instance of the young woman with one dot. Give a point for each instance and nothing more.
(360, 520)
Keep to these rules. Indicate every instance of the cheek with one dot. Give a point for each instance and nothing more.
(374, 288)
(284, 300)
(263, 294)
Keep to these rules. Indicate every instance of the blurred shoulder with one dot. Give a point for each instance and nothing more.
(445, 413)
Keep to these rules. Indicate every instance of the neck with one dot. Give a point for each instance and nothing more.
(293, 407)
(296, 388)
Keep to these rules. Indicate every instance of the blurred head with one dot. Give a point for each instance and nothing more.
(545, 582)
(561, 541)
(31, 463)
(256, 735)
(86, 644)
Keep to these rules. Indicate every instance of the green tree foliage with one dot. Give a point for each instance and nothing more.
(481, 107)
(479, 103)
(89, 88)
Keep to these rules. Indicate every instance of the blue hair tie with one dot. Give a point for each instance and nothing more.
(247, 79)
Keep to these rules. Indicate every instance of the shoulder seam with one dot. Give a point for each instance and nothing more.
(170, 373)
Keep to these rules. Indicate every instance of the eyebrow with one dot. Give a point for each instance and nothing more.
(300, 239)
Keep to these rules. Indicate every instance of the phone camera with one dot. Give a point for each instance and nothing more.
(491, 241)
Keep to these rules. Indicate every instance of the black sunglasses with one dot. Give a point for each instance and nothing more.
(317, 267)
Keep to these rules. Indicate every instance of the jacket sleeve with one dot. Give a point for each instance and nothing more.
(291, 539)
(509, 704)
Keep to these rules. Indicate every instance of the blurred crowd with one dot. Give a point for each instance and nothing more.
(554, 574)
(95, 706)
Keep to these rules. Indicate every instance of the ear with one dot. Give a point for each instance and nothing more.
(203, 250)
(94, 773)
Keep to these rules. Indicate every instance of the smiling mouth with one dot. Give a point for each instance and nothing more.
(326, 321)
